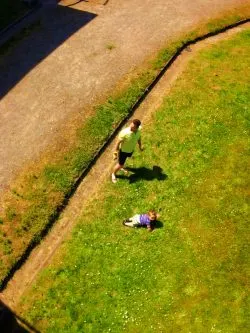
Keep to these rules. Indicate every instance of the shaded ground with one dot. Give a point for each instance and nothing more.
(73, 59)
(89, 187)
(10, 11)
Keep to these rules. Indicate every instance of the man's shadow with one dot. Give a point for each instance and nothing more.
(145, 174)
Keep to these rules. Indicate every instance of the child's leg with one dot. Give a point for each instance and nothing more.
(129, 224)
(133, 221)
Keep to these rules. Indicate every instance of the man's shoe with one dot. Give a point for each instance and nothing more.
(113, 178)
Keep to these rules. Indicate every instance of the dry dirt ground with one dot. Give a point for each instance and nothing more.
(78, 54)
(42, 255)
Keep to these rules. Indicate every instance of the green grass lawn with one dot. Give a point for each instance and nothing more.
(190, 275)
(38, 192)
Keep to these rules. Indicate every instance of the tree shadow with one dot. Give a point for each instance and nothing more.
(11, 323)
(56, 25)
(145, 174)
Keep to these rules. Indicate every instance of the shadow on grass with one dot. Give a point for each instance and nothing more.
(155, 225)
(158, 224)
(144, 173)
(12, 323)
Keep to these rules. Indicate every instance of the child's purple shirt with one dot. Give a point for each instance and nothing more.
(144, 219)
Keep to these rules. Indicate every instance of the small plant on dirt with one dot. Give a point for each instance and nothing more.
(110, 46)
(5, 244)
(10, 213)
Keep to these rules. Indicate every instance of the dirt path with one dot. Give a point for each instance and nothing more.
(74, 58)
(42, 255)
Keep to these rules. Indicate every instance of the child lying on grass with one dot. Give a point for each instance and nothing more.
(140, 220)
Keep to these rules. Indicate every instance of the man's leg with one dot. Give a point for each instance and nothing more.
(115, 170)
(121, 161)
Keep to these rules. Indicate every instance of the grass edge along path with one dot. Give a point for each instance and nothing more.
(37, 197)
(191, 275)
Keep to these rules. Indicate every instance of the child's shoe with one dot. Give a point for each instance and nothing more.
(125, 221)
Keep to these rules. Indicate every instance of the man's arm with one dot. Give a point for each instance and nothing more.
(117, 146)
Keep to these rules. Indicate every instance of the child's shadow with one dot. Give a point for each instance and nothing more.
(155, 225)
(158, 224)
(145, 173)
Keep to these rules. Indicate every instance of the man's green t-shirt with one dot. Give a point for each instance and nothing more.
(129, 138)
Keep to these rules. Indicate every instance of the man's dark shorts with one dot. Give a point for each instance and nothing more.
(123, 156)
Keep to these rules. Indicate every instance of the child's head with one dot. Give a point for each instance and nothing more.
(152, 215)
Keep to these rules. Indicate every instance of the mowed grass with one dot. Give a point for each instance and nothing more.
(191, 273)
(39, 192)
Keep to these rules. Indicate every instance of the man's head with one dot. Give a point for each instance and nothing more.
(135, 124)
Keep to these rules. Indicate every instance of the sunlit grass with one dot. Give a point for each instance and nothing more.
(191, 274)
(41, 189)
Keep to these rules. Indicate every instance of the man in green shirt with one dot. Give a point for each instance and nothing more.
(127, 140)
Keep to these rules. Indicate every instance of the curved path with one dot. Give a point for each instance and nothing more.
(42, 255)
(77, 55)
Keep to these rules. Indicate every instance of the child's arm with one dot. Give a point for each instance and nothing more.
(149, 227)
